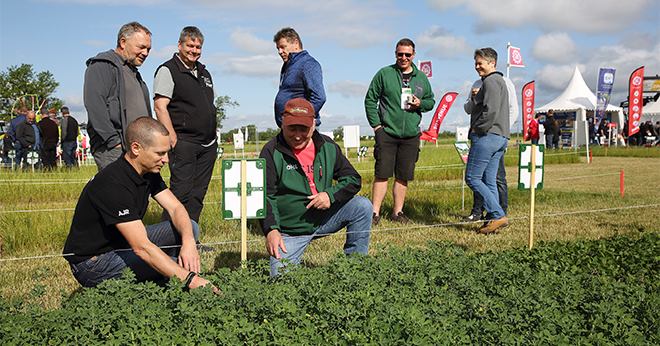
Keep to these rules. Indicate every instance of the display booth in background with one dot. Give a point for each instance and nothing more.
(575, 105)
(572, 125)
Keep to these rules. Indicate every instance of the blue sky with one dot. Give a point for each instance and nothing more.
(351, 39)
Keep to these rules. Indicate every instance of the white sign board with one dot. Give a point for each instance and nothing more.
(352, 136)
(238, 140)
(255, 188)
(462, 134)
(525, 173)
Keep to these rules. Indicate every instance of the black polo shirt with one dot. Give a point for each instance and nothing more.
(115, 195)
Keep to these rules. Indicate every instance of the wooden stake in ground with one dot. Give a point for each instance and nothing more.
(530, 176)
(531, 196)
(243, 194)
(243, 213)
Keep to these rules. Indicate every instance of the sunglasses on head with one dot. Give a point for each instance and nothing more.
(400, 55)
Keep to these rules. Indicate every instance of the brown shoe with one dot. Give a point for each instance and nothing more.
(493, 226)
(375, 220)
(399, 218)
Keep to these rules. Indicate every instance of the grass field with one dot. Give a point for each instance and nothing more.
(579, 200)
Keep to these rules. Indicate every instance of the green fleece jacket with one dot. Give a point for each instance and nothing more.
(383, 101)
(287, 187)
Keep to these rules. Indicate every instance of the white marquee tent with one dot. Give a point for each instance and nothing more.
(578, 98)
(651, 112)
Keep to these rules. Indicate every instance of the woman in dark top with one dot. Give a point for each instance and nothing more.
(550, 130)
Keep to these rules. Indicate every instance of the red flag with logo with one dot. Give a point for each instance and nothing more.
(515, 58)
(635, 93)
(528, 107)
(432, 134)
(425, 66)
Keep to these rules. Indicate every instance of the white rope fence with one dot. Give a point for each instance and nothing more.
(372, 231)
(409, 191)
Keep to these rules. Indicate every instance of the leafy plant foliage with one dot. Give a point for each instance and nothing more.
(595, 292)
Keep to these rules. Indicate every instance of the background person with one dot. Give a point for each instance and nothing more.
(302, 201)
(13, 123)
(50, 136)
(115, 94)
(556, 140)
(69, 134)
(478, 209)
(301, 75)
(550, 129)
(489, 135)
(396, 98)
(534, 134)
(183, 101)
(27, 135)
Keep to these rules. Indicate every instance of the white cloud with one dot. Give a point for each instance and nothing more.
(351, 23)
(554, 78)
(166, 52)
(76, 106)
(249, 43)
(443, 44)
(638, 40)
(556, 48)
(589, 16)
(349, 88)
(261, 66)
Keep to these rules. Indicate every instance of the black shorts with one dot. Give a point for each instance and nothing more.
(395, 156)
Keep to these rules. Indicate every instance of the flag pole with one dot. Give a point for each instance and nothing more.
(508, 58)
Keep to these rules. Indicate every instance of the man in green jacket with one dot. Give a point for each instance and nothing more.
(397, 97)
(302, 202)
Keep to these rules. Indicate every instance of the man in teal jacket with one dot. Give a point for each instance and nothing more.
(302, 201)
(397, 97)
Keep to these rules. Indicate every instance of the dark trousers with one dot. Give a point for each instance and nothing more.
(110, 265)
(191, 168)
(49, 156)
(502, 190)
(19, 155)
(69, 153)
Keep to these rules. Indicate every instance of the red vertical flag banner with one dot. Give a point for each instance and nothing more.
(635, 93)
(425, 66)
(515, 58)
(432, 134)
(528, 107)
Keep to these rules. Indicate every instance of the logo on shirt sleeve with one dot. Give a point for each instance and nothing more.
(123, 212)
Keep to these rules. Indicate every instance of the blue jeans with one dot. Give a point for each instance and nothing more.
(19, 155)
(481, 171)
(535, 140)
(502, 192)
(69, 153)
(548, 141)
(355, 215)
(110, 265)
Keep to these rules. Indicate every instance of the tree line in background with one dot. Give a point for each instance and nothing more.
(22, 80)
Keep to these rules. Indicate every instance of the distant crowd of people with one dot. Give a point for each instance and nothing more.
(26, 137)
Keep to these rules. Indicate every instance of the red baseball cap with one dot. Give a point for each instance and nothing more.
(298, 112)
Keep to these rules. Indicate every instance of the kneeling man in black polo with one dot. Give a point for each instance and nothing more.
(107, 234)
